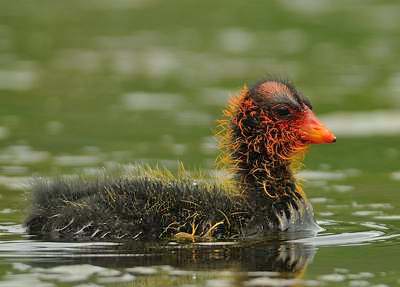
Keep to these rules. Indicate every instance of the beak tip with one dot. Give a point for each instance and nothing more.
(330, 138)
(315, 132)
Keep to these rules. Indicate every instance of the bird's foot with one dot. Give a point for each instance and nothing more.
(207, 235)
(184, 236)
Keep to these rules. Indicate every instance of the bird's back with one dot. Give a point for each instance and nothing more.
(126, 208)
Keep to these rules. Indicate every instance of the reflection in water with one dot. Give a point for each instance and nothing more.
(277, 260)
(267, 259)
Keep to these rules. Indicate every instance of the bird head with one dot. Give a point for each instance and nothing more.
(287, 116)
(274, 120)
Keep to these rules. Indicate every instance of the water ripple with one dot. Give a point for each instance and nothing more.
(350, 238)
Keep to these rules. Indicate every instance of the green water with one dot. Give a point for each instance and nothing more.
(88, 84)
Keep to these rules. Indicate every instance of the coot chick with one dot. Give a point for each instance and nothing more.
(263, 136)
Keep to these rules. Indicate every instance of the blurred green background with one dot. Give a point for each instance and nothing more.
(86, 84)
(133, 80)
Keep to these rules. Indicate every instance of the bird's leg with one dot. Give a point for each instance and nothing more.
(184, 236)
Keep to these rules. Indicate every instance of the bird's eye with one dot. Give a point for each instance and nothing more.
(282, 111)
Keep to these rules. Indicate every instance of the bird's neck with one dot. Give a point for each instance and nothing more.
(263, 177)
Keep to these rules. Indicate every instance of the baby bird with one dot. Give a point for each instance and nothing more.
(263, 136)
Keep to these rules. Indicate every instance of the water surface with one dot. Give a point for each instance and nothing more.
(91, 84)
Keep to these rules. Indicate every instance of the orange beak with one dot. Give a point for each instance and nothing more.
(314, 132)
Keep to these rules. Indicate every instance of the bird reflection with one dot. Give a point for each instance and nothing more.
(279, 254)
